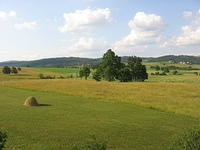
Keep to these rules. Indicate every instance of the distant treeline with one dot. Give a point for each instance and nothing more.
(77, 61)
(157, 68)
(176, 59)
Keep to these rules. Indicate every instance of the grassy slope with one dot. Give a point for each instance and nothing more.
(71, 120)
(181, 98)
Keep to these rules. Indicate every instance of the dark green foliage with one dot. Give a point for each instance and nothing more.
(110, 66)
(14, 70)
(174, 72)
(97, 75)
(125, 75)
(84, 72)
(6, 70)
(41, 76)
(138, 71)
(190, 140)
(19, 69)
(92, 144)
(157, 68)
(3, 137)
(165, 69)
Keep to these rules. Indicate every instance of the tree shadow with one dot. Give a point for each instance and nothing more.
(45, 105)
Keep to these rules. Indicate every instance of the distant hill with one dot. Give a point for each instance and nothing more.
(176, 59)
(53, 62)
(73, 61)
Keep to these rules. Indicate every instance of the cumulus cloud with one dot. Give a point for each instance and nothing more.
(189, 36)
(145, 30)
(7, 15)
(86, 19)
(187, 14)
(86, 46)
(26, 25)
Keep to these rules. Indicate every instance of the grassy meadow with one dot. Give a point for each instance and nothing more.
(70, 120)
(65, 70)
(130, 116)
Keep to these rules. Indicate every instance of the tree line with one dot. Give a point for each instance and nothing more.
(111, 68)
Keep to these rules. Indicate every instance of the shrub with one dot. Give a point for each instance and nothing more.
(84, 72)
(41, 76)
(14, 70)
(3, 137)
(19, 69)
(174, 72)
(97, 76)
(6, 70)
(190, 140)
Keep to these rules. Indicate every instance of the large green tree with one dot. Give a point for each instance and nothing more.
(110, 66)
(84, 72)
(138, 70)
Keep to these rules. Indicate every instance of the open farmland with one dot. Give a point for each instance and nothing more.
(126, 115)
(69, 120)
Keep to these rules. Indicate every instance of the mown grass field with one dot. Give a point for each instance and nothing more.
(71, 120)
(130, 116)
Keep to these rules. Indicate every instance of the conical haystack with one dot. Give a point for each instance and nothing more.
(31, 101)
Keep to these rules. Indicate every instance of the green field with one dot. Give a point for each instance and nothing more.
(129, 116)
(66, 70)
(70, 120)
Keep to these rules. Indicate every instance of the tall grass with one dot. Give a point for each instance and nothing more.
(183, 98)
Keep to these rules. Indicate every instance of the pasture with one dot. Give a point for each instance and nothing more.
(129, 116)
(70, 120)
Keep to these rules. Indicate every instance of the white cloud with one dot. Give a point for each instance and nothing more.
(84, 47)
(86, 19)
(187, 14)
(145, 30)
(26, 25)
(190, 36)
(7, 15)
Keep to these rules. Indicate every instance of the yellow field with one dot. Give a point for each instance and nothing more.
(26, 73)
(183, 98)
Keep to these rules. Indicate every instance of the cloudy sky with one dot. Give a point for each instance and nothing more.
(34, 29)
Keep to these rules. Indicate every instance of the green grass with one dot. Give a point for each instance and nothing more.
(67, 70)
(71, 120)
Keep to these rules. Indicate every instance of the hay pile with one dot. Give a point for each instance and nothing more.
(31, 101)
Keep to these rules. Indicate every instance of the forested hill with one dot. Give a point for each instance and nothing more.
(73, 61)
(175, 59)
(54, 62)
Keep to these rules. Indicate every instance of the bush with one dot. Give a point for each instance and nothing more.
(41, 76)
(19, 69)
(175, 72)
(3, 137)
(190, 140)
(14, 70)
(6, 70)
(97, 76)
(92, 144)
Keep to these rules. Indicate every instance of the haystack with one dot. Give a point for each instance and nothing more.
(31, 101)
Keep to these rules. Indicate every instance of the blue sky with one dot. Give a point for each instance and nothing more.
(34, 29)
